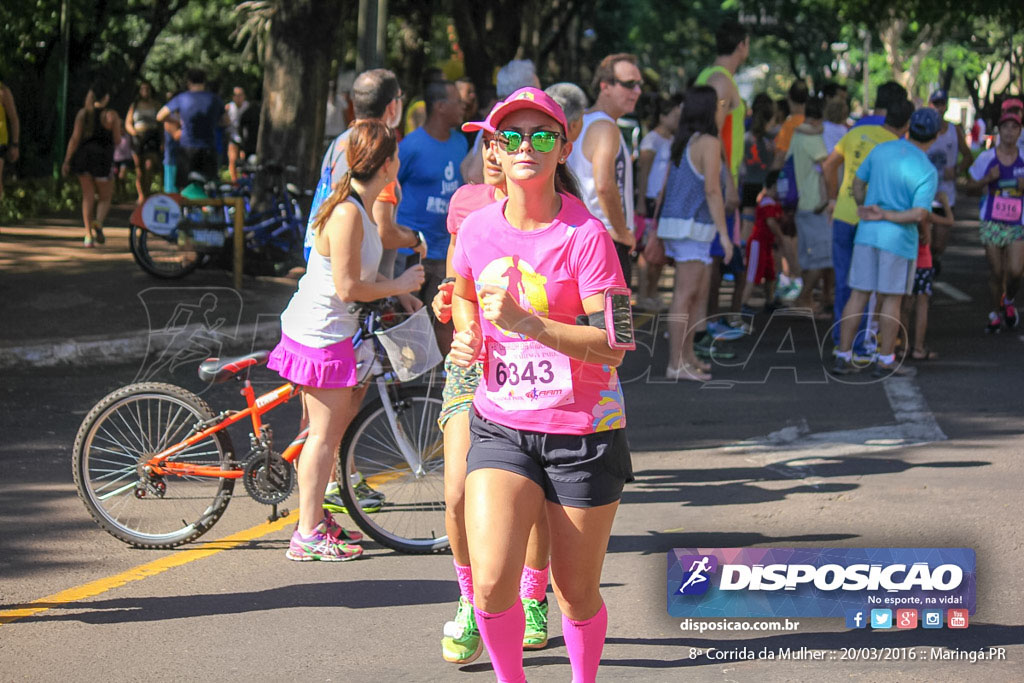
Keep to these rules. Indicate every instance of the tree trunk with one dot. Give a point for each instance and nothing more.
(489, 35)
(295, 80)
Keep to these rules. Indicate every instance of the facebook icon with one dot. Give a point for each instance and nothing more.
(856, 618)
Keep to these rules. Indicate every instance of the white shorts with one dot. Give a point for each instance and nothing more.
(688, 250)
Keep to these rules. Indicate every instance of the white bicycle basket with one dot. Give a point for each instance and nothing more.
(411, 346)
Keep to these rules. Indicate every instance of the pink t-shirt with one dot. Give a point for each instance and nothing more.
(465, 201)
(525, 384)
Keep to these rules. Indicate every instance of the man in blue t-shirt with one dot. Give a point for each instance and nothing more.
(894, 189)
(200, 113)
(429, 175)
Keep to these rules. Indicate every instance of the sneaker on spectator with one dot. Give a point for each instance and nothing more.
(841, 366)
(705, 348)
(724, 331)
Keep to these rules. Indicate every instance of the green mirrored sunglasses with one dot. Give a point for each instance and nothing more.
(542, 140)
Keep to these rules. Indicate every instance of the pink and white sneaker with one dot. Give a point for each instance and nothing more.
(337, 532)
(320, 546)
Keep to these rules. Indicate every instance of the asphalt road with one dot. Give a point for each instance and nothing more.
(846, 467)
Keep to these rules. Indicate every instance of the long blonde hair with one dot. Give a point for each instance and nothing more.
(370, 143)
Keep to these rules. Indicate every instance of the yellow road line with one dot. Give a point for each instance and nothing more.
(143, 571)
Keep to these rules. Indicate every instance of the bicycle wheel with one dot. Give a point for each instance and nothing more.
(160, 257)
(411, 520)
(123, 431)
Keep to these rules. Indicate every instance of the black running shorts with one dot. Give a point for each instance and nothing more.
(575, 470)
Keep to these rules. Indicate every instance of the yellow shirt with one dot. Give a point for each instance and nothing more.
(854, 146)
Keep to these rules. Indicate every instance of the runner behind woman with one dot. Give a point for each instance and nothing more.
(1000, 171)
(316, 352)
(461, 643)
(533, 276)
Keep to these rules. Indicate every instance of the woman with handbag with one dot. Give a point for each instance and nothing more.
(692, 211)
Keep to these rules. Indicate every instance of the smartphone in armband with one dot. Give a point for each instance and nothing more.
(618, 318)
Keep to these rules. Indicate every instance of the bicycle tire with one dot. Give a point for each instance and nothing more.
(411, 519)
(159, 257)
(125, 428)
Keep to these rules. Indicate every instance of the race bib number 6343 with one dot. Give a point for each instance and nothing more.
(526, 375)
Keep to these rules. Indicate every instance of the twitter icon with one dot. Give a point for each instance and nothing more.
(881, 618)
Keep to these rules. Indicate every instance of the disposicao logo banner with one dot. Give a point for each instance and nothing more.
(816, 582)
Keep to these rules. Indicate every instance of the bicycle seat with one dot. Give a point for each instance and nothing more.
(222, 369)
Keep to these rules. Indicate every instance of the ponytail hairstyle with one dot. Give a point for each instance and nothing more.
(698, 117)
(371, 142)
(97, 91)
(566, 183)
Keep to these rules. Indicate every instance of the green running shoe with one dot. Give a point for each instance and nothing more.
(706, 348)
(462, 643)
(536, 635)
(333, 501)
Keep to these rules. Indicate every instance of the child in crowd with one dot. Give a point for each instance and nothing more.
(760, 259)
(921, 292)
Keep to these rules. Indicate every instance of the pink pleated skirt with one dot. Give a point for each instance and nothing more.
(330, 367)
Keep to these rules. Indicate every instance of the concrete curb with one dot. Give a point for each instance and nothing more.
(133, 346)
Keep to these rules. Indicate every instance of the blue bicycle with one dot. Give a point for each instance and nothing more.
(204, 236)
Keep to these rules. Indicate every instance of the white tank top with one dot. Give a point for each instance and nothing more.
(942, 154)
(584, 171)
(316, 316)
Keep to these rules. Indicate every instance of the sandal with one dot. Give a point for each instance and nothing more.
(924, 354)
(687, 372)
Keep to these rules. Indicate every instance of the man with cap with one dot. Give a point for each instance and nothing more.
(949, 143)
(894, 190)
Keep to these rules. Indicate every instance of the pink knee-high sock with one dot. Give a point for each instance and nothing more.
(502, 633)
(584, 640)
(465, 576)
(534, 583)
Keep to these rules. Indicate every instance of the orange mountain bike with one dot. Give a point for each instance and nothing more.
(156, 468)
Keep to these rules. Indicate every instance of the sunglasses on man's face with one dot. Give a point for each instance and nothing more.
(542, 140)
(630, 85)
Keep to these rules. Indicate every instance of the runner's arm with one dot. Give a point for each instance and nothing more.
(76, 139)
(582, 342)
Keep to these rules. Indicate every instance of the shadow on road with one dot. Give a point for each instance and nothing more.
(659, 542)
(358, 594)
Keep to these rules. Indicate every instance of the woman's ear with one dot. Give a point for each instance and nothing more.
(566, 151)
